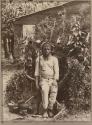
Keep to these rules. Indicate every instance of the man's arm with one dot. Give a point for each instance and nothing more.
(37, 73)
(56, 69)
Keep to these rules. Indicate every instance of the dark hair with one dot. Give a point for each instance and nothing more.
(45, 44)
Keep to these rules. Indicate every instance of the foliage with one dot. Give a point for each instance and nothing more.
(18, 91)
(18, 88)
(75, 89)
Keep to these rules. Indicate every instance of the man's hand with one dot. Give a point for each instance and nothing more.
(55, 82)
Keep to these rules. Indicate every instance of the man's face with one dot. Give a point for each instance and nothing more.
(46, 50)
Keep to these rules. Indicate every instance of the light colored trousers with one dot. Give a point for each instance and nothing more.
(49, 90)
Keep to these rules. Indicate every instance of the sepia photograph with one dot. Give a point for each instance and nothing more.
(46, 60)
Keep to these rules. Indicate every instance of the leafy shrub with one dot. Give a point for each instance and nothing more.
(19, 87)
(75, 89)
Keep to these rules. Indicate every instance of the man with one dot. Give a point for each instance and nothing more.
(47, 71)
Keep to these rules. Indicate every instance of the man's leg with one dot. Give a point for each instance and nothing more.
(38, 101)
(45, 92)
(52, 99)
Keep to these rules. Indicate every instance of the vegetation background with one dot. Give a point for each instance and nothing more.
(75, 80)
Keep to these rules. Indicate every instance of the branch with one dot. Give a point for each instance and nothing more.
(29, 99)
(52, 30)
(29, 77)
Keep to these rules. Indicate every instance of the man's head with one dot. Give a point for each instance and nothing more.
(46, 49)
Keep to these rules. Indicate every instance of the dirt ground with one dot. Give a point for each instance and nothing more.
(7, 71)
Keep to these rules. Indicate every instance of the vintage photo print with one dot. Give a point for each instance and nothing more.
(46, 60)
